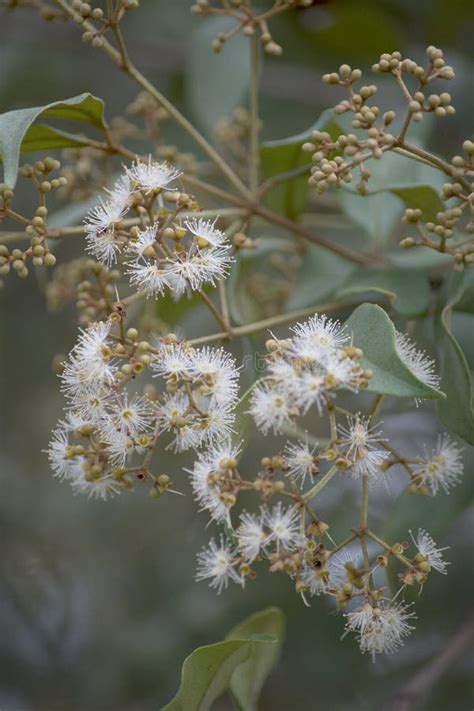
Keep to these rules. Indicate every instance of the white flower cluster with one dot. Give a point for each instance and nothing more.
(381, 628)
(306, 370)
(104, 427)
(108, 437)
(442, 469)
(160, 256)
(201, 391)
(359, 444)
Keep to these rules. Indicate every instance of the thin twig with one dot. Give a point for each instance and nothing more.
(408, 696)
(268, 323)
(254, 161)
(129, 68)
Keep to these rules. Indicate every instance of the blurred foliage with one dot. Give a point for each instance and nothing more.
(97, 603)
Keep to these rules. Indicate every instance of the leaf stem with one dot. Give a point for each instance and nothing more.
(314, 491)
(254, 162)
(214, 311)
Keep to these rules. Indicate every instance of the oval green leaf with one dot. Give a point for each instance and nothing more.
(17, 132)
(457, 411)
(248, 679)
(206, 674)
(284, 155)
(241, 663)
(409, 296)
(373, 331)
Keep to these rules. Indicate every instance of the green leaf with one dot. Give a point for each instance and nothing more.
(206, 674)
(407, 294)
(172, 311)
(240, 663)
(396, 183)
(216, 83)
(457, 411)
(320, 274)
(423, 197)
(17, 132)
(249, 678)
(252, 269)
(374, 332)
(377, 214)
(283, 155)
(43, 137)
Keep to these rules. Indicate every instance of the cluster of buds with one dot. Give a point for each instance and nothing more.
(336, 159)
(331, 166)
(87, 12)
(451, 230)
(91, 284)
(249, 20)
(38, 252)
(437, 68)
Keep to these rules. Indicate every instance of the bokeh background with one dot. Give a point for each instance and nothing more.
(98, 606)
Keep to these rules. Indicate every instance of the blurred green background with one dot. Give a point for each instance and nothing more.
(98, 606)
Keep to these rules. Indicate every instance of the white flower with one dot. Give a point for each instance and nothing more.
(443, 469)
(104, 216)
(333, 575)
(210, 472)
(300, 461)
(310, 389)
(216, 424)
(315, 579)
(90, 363)
(380, 629)
(130, 417)
(96, 488)
(121, 192)
(318, 338)
(422, 367)
(146, 238)
(283, 525)
(103, 246)
(153, 176)
(91, 404)
(216, 562)
(282, 371)
(102, 219)
(270, 407)
(428, 549)
(149, 277)
(62, 460)
(119, 444)
(173, 416)
(172, 362)
(206, 232)
(217, 373)
(251, 536)
(342, 372)
(199, 268)
(359, 440)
